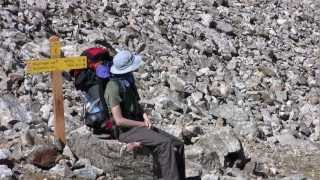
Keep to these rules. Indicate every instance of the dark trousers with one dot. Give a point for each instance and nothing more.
(168, 150)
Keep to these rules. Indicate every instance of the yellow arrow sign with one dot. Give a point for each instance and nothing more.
(56, 64)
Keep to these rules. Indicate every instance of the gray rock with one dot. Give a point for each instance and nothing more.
(5, 171)
(166, 99)
(197, 97)
(237, 118)
(264, 131)
(287, 139)
(4, 154)
(260, 169)
(61, 170)
(210, 177)
(281, 96)
(191, 131)
(206, 19)
(224, 27)
(215, 150)
(225, 45)
(295, 177)
(106, 154)
(33, 50)
(88, 172)
(193, 169)
(11, 110)
(68, 153)
(176, 83)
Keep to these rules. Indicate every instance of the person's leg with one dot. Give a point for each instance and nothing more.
(161, 145)
(179, 145)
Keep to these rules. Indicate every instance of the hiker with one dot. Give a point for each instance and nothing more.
(91, 81)
(134, 125)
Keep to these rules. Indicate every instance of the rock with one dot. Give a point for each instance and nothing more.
(193, 169)
(27, 138)
(287, 139)
(68, 153)
(166, 99)
(206, 19)
(36, 49)
(44, 157)
(264, 131)
(176, 83)
(105, 154)
(237, 118)
(203, 71)
(224, 27)
(295, 177)
(45, 110)
(197, 97)
(305, 130)
(5, 158)
(225, 45)
(175, 130)
(260, 170)
(235, 173)
(5, 172)
(191, 131)
(42, 4)
(215, 150)
(210, 177)
(4, 154)
(61, 170)
(11, 110)
(88, 172)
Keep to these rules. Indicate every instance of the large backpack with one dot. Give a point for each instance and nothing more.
(95, 110)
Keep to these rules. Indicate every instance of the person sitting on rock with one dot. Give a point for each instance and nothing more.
(135, 127)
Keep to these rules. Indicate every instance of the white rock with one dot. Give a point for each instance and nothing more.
(197, 97)
(5, 171)
(45, 110)
(210, 177)
(4, 154)
(204, 71)
(206, 19)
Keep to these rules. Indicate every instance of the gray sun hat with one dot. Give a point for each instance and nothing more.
(124, 62)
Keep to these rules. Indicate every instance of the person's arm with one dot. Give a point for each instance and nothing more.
(122, 121)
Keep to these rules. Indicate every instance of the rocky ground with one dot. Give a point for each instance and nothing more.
(237, 80)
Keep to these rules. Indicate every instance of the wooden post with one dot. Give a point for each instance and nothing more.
(56, 76)
(55, 65)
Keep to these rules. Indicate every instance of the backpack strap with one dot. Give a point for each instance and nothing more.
(123, 88)
(123, 95)
(102, 85)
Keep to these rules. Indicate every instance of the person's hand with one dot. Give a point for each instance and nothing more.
(147, 121)
(134, 146)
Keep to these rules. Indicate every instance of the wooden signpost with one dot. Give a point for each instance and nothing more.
(55, 65)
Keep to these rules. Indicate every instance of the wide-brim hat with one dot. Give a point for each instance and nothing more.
(125, 61)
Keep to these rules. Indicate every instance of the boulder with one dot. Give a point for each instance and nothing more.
(44, 157)
(11, 111)
(5, 172)
(236, 117)
(216, 150)
(109, 155)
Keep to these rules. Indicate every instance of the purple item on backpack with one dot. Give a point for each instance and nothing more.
(103, 71)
